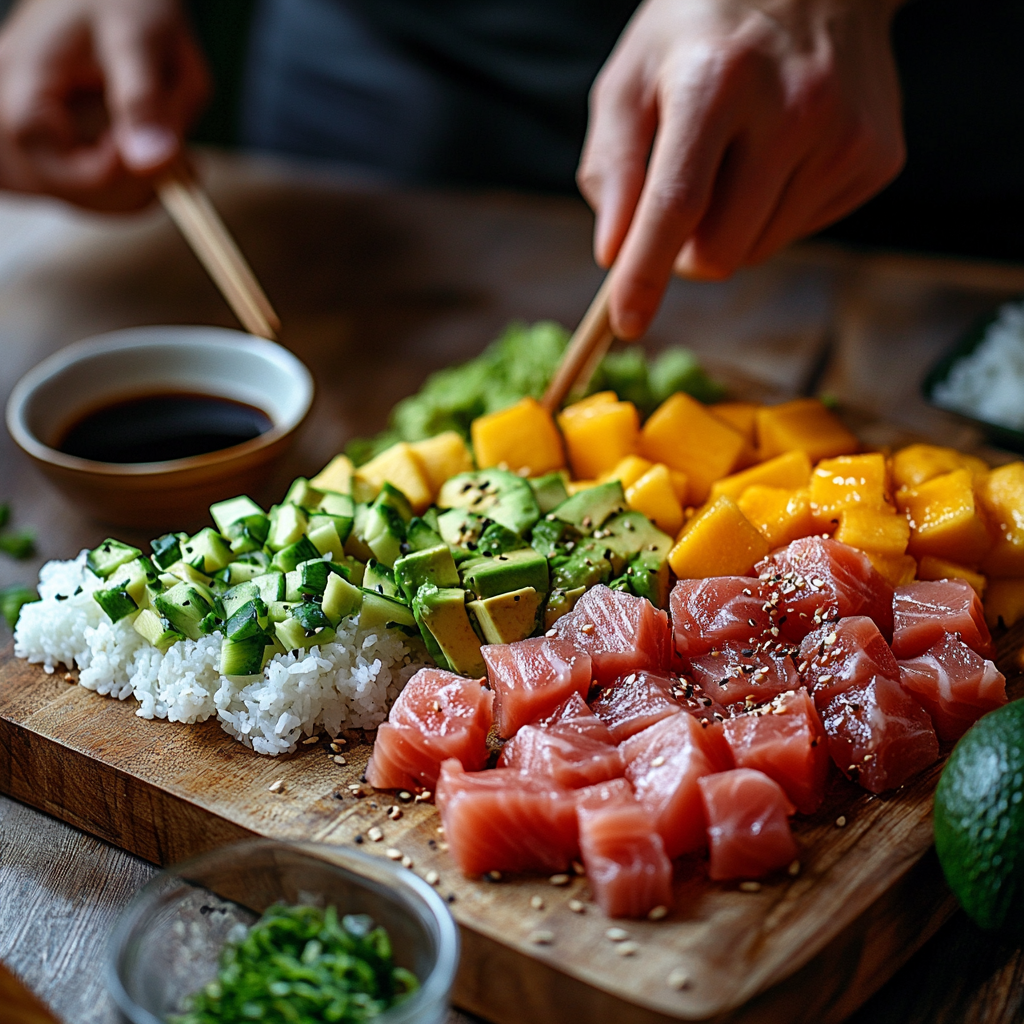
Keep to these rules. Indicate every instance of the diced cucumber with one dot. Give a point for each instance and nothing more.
(323, 534)
(311, 615)
(271, 586)
(288, 558)
(280, 610)
(341, 599)
(378, 612)
(116, 602)
(341, 508)
(385, 533)
(430, 517)
(392, 497)
(295, 637)
(258, 558)
(351, 569)
(184, 607)
(243, 657)
(167, 549)
(308, 579)
(287, 525)
(251, 619)
(224, 513)
(303, 494)
(137, 578)
(157, 630)
(380, 579)
(549, 490)
(188, 573)
(248, 534)
(355, 543)
(207, 551)
(110, 555)
(240, 595)
(239, 572)
(420, 535)
(211, 624)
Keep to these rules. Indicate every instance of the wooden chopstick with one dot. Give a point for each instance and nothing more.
(190, 208)
(586, 349)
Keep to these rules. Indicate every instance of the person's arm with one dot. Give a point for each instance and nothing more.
(721, 130)
(95, 97)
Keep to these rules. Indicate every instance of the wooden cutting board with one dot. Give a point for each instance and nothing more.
(807, 948)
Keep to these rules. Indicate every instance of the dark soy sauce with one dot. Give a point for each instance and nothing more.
(158, 428)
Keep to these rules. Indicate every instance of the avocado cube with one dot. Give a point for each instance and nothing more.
(110, 555)
(355, 542)
(648, 576)
(341, 599)
(420, 535)
(157, 630)
(497, 539)
(551, 537)
(629, 533)
(224, 513)
(391, 497)
(288, 524)
(502, 574)
(560, 603)
(461, 531)
(207, 551)
(443, 612)
(379, 612)
(506, 618)
(495, 494)
(381, 580)
(549, 491)
(587, 510)
(432, 565)
(581, 569)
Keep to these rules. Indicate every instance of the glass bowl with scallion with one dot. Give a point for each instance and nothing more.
(272, 932)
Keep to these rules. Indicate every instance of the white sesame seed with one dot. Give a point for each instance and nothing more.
(338, 759)
(678, 979)
(494, 876)
(658, 762)
(432, 878)
(841, 821)
(404, 796)
(443, 847)
(276, 787)
(627, 948)
(616, 934)
(537, 902)
(826, 678)
(577, 907)
(375, 834)
(559, 879)
(407, 861)
(394, 812)
(578, 868)
(657, 913)
(551, 632)
(587, 627)
(750, 886)
(421, 797)
(440, 829)
(392, 854)
(794, 869)
(309, 739)
(541, 937)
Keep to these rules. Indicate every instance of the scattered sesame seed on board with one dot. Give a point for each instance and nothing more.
(627, 948)
(559, 879)
(750, 886)
(276, 787)
(841, 821)
(404, 796)
(68, 677)
(577, 907)
(678, 979)
(310, 739)
(541, 937)
(794, 869)
(537, 902)
(392, 854)
(657, 913)
(407, 861)
(375, 834)
(616, 934)
(338, 759)
(394, 812)
(494, 876)
(432, 878)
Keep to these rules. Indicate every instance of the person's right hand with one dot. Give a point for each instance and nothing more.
(95, 97)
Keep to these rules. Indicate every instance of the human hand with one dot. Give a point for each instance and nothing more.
(721, 130)
(95, 97)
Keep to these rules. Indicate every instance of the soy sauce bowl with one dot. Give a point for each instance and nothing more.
(147, 361)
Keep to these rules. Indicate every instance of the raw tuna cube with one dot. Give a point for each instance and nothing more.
(532, 677)
(438, 715)
(664, 763)
(573, 747)
(720, 610)
(636, 701)
(924, 612)
(620, 632)
(786, 741)
(739, 678)
(955, 685)
(841, 654)
(748, 824)
(627, 867)
(815, 576)
(504, 820)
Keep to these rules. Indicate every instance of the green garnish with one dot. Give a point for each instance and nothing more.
(300, 965)
(11, 601)
(18, 543)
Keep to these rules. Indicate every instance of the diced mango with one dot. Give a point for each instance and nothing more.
(1001, 494)
(522, 438)
(1004, 602)
(627, 471)
(781, 514)
(400, 467)
(720, 541)
(875, 531)
(790, 470)
(684, 435)
(654, 496)
(849, 481)
(442, 457)
(803, 425)
(335, 476)
(945, 520)
(899, 570)
(742, 416)
(932, 568)
(598, 435)
(680, 484)
(597, 398)
(918, 463)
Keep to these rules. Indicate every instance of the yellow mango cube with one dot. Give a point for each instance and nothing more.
(685, 436)
(1001, 494)
(945, 520)
(680, 484)
(719, 541)
(598, 398)
(400, 467)
(522, 438)
(598, 435)
(779, 513)
(875, 531)
(849, 481)
(791, 470)
(443, 456)
(918, 463)
(654, 496)
(932, 568)
(627, 470)
(1004, 602)
(804, 425)
(742, 416)
(335, 476)
(899, 570)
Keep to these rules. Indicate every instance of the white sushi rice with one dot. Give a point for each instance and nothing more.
(348, 683)
(989, 383)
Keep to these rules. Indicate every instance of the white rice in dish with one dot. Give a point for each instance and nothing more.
(349, 683)
(989, 383)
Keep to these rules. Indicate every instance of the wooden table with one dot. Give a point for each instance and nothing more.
(376, 289)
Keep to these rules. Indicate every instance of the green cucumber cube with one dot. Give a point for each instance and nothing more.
(243, 657)
(167, 549)
(248, 534)
(251, 619)
(110, 555)
(294, 554)
(157, 630)
(341, 599)
(116, 602)
(378, 612)
(287, 525)
(385, 533)
(224, 513)
(184, 607)
(303, 494)
(311, 615)
(207, 551)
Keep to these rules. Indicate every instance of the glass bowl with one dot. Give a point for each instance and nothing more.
(166, 943)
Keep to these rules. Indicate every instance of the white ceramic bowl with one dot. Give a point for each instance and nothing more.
(126, 364)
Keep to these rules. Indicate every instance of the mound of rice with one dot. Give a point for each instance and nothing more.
(349, 683)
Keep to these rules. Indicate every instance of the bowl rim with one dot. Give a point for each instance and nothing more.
(153, 336)
(433, 988)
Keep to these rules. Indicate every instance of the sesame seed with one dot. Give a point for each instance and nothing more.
(392, 854)
(440, 830)
(432, 878)
(541, 937)
(537, 902)
(375, 833)
(338, 759)
(559, 879)
(830, 639)
(551, 632)
(869, 757)
(794, 869)
(422, 797)
(750, 886)
(407, 861)
(577, 907)
(657, 913)
(627, 948)
(394, 812)
(841, 821)
(616, 934)
(658, 762)
(578, 868)
(678, 979)
(587, 627)
(276, 787)
(309, 739)
(827, 678)
(68, 677)
(405, 796)
(443, 847)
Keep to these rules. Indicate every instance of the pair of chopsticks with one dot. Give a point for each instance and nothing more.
(190, 208)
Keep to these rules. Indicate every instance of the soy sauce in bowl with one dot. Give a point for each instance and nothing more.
(162, 427)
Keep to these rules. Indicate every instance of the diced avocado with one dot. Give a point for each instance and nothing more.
(240, 595)
(551, 537)
(288, 558)
(549, 491)
(249, 533)
(167, 549)
(379, 611)
(350, 569)
(239, 572)
(433, 649)
(631, 532)
(430, 518)
(461, 531)
(243, 657)
(506, 618)
(381, 580)
(432, 565)
(580, 569)
(341, 599)
(110, 555)
(587, 510)
(560, 603)
(224, 513)
(308, 579)
(498, 539)
(496, 494)
(311, 615)
(392, 497)
(207, 551)
(156, 629)
(251, 619)
(355, 543)
(341, 508)
(303, 494)
(287, 525)
(505, 573)
(184, 607)
(385, 533)
(595, 550)
(420, 535)
(116, 602)
(648, 576)
(443, 612)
